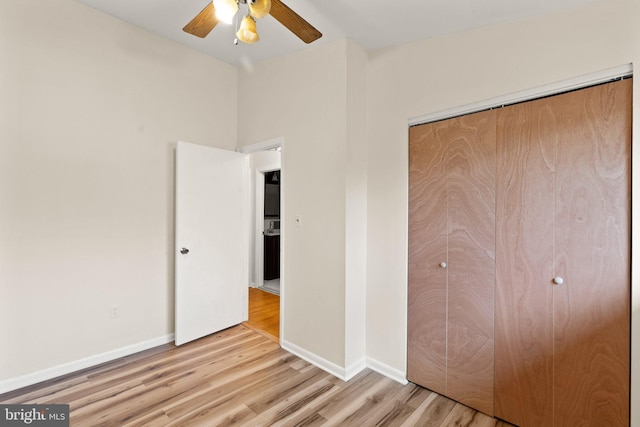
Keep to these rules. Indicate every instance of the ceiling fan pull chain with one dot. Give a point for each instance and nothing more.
(235, 40)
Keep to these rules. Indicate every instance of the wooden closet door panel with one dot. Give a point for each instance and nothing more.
(524, 263)
(592, 318)
(427, 304)
(471, 269)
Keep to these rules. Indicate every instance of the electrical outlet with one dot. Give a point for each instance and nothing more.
(114, 313)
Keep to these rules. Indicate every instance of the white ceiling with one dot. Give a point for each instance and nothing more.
(372, 24)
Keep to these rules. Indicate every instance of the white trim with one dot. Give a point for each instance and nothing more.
(258, 256)
(262, 146)
(345, 374)
(529, 94)
(387, 371)
(246, 213)
(355, 368)
(88, 362)
(314, 359)
(283, 218)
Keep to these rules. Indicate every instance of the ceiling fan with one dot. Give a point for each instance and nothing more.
(225, 10)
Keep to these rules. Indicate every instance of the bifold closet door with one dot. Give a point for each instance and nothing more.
(563, 251)
(525, 209)
(452, 258)
(471, 259)
(427, 299)
(592, 255)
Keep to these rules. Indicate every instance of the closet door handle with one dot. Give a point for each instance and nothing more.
(443, 264)
(558, 280)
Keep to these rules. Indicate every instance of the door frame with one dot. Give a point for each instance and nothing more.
(278, 142)
(258, 257)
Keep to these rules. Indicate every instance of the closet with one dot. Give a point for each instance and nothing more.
(452, 257)
(563, 253)
(519, 299)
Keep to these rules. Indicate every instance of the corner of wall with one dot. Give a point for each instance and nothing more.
(387, 371)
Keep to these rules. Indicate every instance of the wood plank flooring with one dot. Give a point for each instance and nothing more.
(264, 313)
(238, 377)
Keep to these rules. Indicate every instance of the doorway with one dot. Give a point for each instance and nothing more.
(266, 281)
(271, 232)
(264, 313)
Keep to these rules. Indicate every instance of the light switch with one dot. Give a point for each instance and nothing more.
(298, 221)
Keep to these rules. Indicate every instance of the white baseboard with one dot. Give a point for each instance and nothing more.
(355, 368)
(349, 372)
(343, 373)
(337, 371)
(67, 368)
(387, 371)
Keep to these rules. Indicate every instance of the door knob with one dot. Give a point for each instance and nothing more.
(558, 280)
(184, 251)
(443, 264)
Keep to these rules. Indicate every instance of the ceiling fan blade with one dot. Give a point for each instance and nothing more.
(294, 22)
(203, 23)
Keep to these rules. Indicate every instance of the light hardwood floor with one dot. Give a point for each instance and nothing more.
(264, 313)
(238, 377)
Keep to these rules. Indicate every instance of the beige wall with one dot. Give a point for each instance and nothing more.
(90, 111)
(303, 98)
(438, 74)
(356, 210)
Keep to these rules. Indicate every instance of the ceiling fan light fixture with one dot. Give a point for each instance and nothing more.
(247, 32)
(225, 10)
(259, 8)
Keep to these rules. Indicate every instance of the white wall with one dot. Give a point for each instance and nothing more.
(90, 110)
(316, 101)
(438, 74)
(356, 210)
(303, 98)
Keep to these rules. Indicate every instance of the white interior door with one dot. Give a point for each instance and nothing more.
(211, 241)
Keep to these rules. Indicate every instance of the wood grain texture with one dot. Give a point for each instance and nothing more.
(264, 313)
(294, 22)
(524, 263)
(237, 377)
(471, 254)
(427, 293)
(592, 317)
(563, 200)
(202, 24)
(452, 219)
